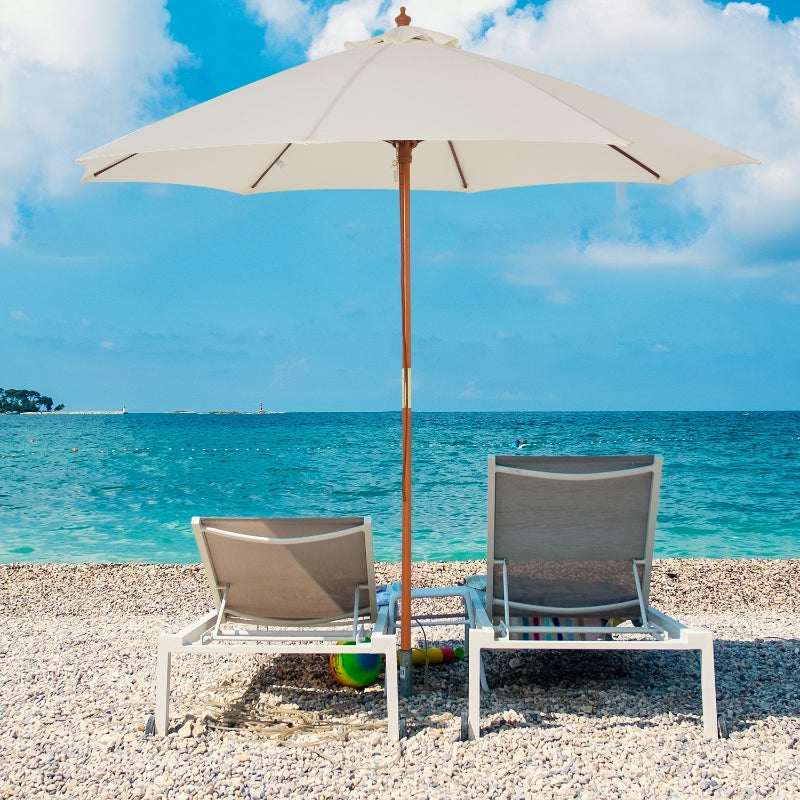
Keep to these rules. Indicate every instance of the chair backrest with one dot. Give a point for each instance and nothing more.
(569, 529)
(292, 572)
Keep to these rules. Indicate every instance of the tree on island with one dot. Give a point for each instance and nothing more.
(25, 401)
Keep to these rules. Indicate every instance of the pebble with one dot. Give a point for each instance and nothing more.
(77, 681)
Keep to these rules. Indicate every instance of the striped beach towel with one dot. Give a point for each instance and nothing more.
(560, 628)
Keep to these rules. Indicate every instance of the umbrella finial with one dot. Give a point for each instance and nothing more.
(402, 18)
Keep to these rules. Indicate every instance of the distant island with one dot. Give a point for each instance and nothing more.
(25, 401)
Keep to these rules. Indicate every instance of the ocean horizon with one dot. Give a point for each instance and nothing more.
(98, 487)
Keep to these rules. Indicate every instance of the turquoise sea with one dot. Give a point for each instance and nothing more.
(110, 488)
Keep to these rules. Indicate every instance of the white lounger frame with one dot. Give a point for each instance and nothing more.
(484, 636)
(213, 633)
(657, 632)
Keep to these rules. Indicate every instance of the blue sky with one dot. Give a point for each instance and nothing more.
(548, 298)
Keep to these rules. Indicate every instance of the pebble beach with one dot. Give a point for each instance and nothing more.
(77, 685)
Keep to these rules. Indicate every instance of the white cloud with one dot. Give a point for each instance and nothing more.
(627, 255)
(352, 20)
(355, 20)
(107, 345)
(541, 264)
(559, 297)
(77, 74)
(74, 75)
(19, 316)
(470, 392)
(659, 348)
(284, 374)
(284, 17)
(725, 71)
(465, 20)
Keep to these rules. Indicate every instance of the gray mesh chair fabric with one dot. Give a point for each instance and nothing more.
(300, 585)
(289, 571)
(570, 549)
(569, 530)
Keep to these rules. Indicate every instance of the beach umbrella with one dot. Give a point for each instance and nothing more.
(356, 120)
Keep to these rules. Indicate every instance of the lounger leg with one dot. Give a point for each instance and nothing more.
(388, 647)
(474, 718)
(479, 638)
(709, 687)
(162, 686)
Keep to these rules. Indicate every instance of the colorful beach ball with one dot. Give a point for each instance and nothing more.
(356, 669)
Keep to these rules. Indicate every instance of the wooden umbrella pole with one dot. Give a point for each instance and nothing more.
(404, 177)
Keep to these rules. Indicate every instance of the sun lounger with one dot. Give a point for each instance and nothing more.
(285, 586)
(570, 550)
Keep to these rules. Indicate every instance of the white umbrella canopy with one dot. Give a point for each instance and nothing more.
(352, 121)
(481, 124)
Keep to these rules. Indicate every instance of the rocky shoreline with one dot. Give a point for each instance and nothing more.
(77, 679)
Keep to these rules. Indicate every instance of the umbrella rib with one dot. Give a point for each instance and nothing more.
(343, 89)
(458, 165)
(115, 164)
(264, 173)
(635, 161)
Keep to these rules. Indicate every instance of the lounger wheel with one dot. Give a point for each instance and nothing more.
(402, 728)
(464, 726)
(722, 728)
(149, 727)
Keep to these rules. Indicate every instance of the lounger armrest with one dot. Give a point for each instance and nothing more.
(673, 628)
(191, 633)
(482, 619)
(383, 623)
